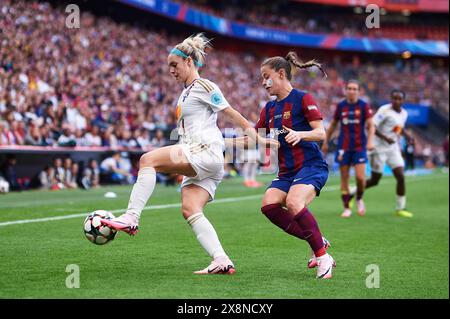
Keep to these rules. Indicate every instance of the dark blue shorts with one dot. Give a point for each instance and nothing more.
(351, 158)
(309, 175)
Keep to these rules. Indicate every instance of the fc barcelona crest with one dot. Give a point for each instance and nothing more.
(286, 115)
(357, 112)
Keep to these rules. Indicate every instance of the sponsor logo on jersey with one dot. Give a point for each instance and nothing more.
(282, 131)
(347, 121)
(312, 107)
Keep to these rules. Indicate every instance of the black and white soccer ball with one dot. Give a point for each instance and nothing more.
(94, 231)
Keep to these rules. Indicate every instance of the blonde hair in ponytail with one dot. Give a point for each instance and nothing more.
(194, 47)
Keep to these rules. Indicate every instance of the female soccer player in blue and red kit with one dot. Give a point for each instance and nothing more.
(354, 116)
(296, 123)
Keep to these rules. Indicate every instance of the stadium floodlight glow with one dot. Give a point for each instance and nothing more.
(406, 55)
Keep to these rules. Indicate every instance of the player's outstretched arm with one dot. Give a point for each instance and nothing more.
(238, 120)
(317, 134)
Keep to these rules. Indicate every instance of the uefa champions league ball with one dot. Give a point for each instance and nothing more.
(94, 231)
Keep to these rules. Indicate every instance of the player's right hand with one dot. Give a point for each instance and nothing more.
(324, 147)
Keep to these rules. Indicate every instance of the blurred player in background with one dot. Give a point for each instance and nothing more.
(354, 116)
(250, 158)
(295, 121)
(198, 156)
(390, 120)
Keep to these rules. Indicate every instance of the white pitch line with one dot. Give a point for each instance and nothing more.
(177, 205)
(153, 207)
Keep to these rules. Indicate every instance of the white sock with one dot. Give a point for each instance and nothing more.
(253, 170)
(245, 171)
(142, 190)
(401, 202)
(206, 235)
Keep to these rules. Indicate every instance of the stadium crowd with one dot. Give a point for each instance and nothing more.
(295, 17)
(107, 83)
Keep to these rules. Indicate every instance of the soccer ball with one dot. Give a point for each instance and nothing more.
(94, 231)
(4, 186)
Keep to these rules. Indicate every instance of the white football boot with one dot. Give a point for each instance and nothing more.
(312, 263)
(325, 267)
(220, 265)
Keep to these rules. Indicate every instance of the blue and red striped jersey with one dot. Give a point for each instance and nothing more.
(352, 119)
(295, 112)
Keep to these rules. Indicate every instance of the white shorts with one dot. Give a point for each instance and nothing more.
(208, 164)
(393, 158)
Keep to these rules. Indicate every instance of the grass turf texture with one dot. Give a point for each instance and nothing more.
(412, 254)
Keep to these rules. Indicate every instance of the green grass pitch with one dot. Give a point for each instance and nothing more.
(412, 254)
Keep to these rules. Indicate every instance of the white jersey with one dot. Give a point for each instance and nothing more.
(390, 123)
(196, 113)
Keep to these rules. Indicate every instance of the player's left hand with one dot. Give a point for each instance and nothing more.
(293, 137)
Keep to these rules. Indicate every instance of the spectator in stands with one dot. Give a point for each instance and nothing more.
(143, 138)
(46, 135)
(67, 138)
(5, 135)
(112, 172)
(67, 166)
(72, 178)
(80, 138)
(60, 174)
(34, 136)
(93, 138)
(91, 175)
(159, 140)
(17, 133)
(10, 174)
(47, 178)
(109, 139)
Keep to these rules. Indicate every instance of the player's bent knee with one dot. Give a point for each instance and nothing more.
(188, 210)
(295, 205)
(147, 160)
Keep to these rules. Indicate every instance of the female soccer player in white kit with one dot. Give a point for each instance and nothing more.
(390, 121)
(198, 155)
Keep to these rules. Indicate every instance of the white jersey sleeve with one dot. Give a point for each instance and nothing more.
(391, 124)
(380, 115)
(212, 96)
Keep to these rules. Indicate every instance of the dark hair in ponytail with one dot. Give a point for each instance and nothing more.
(291, 63)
